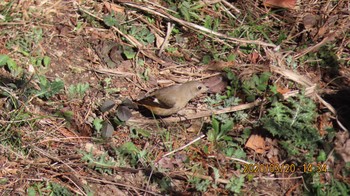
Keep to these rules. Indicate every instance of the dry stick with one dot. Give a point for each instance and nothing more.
(76, 179)
(229, 13)
(198, 115)
(183, 147)
(149, 24)
(231, 6)
(165, 43)
(190, 74)
(134, 42)
(220, 180)
(310, 88)
(120, 184)
(113, 72)
(195, 26)
(325, 40)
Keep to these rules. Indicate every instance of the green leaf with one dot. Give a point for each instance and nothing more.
(46, 61)
(231, 58)
(208, 22)
(56, 86)
(235, 184)
(49, 89)
(216, 125)
(97, 124)
(78, 90)
(227, 126)
(12, 66)
(110, 20)
(206, 59)
(144, 133)
(31, 191)
(129, 148)
(129, 54)
(321, 156)
(3, 59)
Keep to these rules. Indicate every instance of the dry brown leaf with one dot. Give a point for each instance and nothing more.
(254, 57)
(216, 84)
(257, 143)
(111, 7)
(342, 145)
(289, 4)
(322, 31)
(324, 122)
(220, 65)
(196, 126)
(159, 40)
(282, 90)
(67, 133)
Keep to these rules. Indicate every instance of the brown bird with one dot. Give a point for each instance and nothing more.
(170, 100)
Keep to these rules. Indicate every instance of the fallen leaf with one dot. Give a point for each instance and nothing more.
(220, 65)
(123, 113)
(67, 133)
(216, 84)
(107, 105)
(342, 145)
(90, 147)
(256, 143)
(107, 130)
(254, 57)
(324, 123)
(282, 90)
(111, 7)
(289, 4)
(309, 21)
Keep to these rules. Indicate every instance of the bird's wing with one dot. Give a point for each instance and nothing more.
(153, 101)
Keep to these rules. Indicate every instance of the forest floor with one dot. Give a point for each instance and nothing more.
(275, 121)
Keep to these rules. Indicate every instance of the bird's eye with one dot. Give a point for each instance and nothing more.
(199, 87)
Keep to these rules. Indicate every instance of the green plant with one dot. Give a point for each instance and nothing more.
(189, 10)
(200, 184)
(219, 130)
(107, 86)
(41, 61)
(129, 53)
(97, 122)
(139, 133)
(130, 150)
(47, 88)
(332, 187)
(101, 164)
(11, 65)
(293, 122)
(114, 20)
(6, 11)
(256, 85)
(25, 42)
(142, 34)
(211, 23)
(235, 184)
(49, 188)
(78, 90)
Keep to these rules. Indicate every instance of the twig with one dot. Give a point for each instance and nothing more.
(113, 72)
(198, 115)
(195, 26)
(120, 184)
(133, 41)
(185, 146)
(77, 181)
(231, 6)
(165, 42)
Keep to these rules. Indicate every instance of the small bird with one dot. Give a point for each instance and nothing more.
(170, 100)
